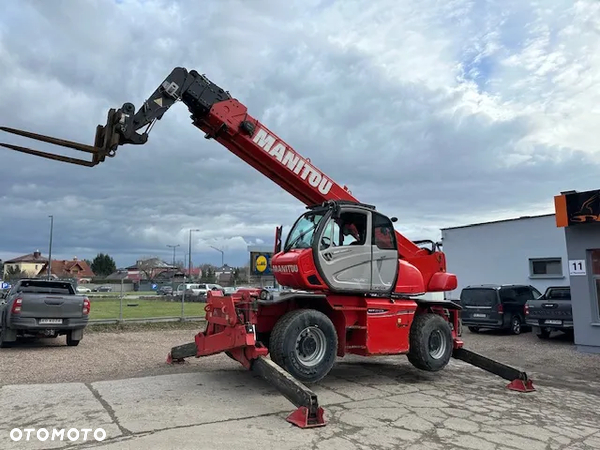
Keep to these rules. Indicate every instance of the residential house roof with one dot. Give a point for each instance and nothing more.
(35, 257)
(69, 267)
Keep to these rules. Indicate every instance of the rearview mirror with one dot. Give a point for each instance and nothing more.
(394, 219)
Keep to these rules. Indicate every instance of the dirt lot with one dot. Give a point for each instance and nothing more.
(118, 355)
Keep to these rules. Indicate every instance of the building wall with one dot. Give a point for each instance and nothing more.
(500, 252)
(31, 269)
(581, 240)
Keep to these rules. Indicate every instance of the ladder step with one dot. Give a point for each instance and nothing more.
(356, 327)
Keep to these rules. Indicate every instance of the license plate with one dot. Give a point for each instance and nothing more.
(50, 321)
(481, 316)
(553, 322)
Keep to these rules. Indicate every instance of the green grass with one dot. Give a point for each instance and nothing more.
(108, 308)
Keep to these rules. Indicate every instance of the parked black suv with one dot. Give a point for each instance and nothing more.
(499, 306)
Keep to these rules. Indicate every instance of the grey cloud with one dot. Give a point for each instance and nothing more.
(399, 140)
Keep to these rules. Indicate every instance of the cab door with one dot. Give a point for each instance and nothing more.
(384, 254)
(344, 261)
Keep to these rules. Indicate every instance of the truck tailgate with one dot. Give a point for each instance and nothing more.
(550, 312)
(51, 306)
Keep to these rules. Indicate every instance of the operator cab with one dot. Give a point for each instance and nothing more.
(354, 247)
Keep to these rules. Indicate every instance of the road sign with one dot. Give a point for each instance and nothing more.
(154, 286)
(5, 285)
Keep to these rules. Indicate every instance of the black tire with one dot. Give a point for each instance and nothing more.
(544, 333)
(3, 343)
(299, 336)
(428, 329)
(474, 329)
(72, 342)
(515, 325)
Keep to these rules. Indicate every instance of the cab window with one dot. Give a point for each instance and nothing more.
(384, 236)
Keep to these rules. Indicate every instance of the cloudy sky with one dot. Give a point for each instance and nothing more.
(440, 113)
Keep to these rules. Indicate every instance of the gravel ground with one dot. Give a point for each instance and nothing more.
(117, 355)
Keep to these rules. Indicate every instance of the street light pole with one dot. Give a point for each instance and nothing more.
(189, 272)
(190, 253)
(173, 247)
(50, 247)
(222, 255)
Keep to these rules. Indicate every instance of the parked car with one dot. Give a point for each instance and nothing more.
(103, 289)
(43, 308)
(197, 288)
(83, 290)
(550, 312)
(496, 306)
(164, 290)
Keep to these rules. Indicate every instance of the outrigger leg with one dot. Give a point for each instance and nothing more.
(519, 381)
(230, 329)
(308, 415)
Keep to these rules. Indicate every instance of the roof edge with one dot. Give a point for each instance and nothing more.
(491, 222)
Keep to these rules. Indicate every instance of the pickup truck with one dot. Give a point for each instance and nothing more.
(550, 312)
(43, 308)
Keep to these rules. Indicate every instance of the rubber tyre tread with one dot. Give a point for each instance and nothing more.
(544, 334)
(418, 354)
(72, 342)
(3, 343)
(283, 336)
(511, 329)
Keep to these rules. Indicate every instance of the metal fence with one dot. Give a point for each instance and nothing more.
(144, 307)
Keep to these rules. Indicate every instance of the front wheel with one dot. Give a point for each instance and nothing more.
(430, 342)
(304, 342)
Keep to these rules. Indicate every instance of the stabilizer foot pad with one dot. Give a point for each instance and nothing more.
(521, 386)
(301, 418)
(171, 360)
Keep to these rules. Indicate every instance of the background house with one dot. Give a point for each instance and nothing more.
(224, 275)
(79, 270)
(27, 265)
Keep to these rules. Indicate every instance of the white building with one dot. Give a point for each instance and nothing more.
(526, 250)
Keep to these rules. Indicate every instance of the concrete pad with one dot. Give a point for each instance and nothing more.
(156, 403)
(51, 406)
(227, 409)
(258, 433)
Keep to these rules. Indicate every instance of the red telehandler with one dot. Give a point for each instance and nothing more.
(353, 284)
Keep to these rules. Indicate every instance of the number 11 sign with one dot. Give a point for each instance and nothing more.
(577, 267)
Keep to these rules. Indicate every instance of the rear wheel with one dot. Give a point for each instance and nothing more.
(304, 342)
(544, 333)
(70, 341)
(430, 342)
(515, 325)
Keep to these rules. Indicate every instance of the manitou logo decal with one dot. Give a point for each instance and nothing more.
(285, 268)
(290, 159)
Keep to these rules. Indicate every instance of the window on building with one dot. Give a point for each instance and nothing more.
(545, 267)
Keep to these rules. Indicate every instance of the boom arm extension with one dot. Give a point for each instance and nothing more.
(226, 120)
